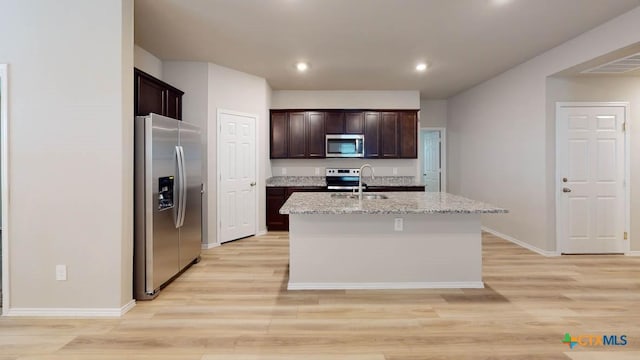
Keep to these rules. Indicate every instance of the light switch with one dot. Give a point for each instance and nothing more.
(398, 224)
(61, 272)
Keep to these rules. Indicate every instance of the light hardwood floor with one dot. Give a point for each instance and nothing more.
(234, 305)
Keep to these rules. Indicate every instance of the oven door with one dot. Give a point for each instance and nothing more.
(345, 146)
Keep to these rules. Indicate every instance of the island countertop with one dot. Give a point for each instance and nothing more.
(397, 203)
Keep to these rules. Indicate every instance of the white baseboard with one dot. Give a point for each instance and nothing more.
(261, 232)
(72, 312)
(387, 285)
(521, 243)
(209, 246)
(632, 253)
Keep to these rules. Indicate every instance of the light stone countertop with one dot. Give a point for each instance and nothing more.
(397, 203)
(285, 181)
(277, 181)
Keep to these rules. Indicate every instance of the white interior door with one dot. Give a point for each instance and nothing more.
(432, 169)
(591, 173)
(237, 180)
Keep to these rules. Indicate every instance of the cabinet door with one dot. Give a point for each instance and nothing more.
(150, 96)
(335, 123)
(371, 134)
(173, 104)
(279, 138)
(408, 140)
(297, 135)
(315, 135)
(276, 197)
(153, 95)
(389, 135)
(354, 122)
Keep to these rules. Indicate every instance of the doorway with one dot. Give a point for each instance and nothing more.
(4, 193)
(433, 164)
(592, 204)
(237, 184)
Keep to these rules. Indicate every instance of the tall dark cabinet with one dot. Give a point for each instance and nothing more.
(152, 95)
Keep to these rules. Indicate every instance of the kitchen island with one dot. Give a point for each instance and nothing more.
(408, 240)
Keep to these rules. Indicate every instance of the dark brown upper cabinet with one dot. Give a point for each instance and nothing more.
(152, 95)
(297, 134)
(316, 134)
(301, 134)
(354, 122)
(408, 139)
(335, 122)
(344, 122)
(371, 134)
(389, 135)
(279, 135)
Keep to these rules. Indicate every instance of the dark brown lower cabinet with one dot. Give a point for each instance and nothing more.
(276, 197)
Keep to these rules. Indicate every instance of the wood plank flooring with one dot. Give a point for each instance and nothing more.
(234, 305)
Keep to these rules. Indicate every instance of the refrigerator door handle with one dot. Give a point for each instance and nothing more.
(178, 189)
(183, 187)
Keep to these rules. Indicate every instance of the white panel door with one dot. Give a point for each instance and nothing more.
(237, 189)
(432, 171)
(591, 216)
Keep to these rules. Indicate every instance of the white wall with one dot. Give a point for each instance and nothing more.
(329, 99)
(147, 62)
(501, 143)
(70, 146)
(193, 79)
(293, 99)
(603, 88)
(237, 91)
(433, 113)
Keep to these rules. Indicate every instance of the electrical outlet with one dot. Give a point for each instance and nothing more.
(398, 224)
(284, 171)
(395, 171)
(317, 171)
(61, 272)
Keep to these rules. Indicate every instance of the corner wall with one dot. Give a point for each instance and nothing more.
(70, 146)
(502, 145)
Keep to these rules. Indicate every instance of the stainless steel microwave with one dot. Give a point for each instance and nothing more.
(347, 146)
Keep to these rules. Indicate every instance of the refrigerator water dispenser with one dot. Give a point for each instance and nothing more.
(165, 193)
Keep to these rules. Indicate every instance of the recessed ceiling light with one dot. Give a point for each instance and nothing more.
(302, 66)
(421, 67)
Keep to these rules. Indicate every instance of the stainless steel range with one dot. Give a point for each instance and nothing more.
(343, 179)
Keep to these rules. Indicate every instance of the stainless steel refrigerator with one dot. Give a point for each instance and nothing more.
(167, 202)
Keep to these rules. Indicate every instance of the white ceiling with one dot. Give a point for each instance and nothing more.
(366, 44)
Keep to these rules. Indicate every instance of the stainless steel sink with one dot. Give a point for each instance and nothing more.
(355, 196)
(373, 196)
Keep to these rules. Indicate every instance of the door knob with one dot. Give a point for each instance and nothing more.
(564, 179)
(566, 190)
(253, 183)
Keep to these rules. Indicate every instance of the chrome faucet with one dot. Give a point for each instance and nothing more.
(360, 178)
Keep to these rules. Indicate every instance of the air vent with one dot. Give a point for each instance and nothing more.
(626, 64)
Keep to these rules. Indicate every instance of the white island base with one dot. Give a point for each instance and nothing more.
(364, 251)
